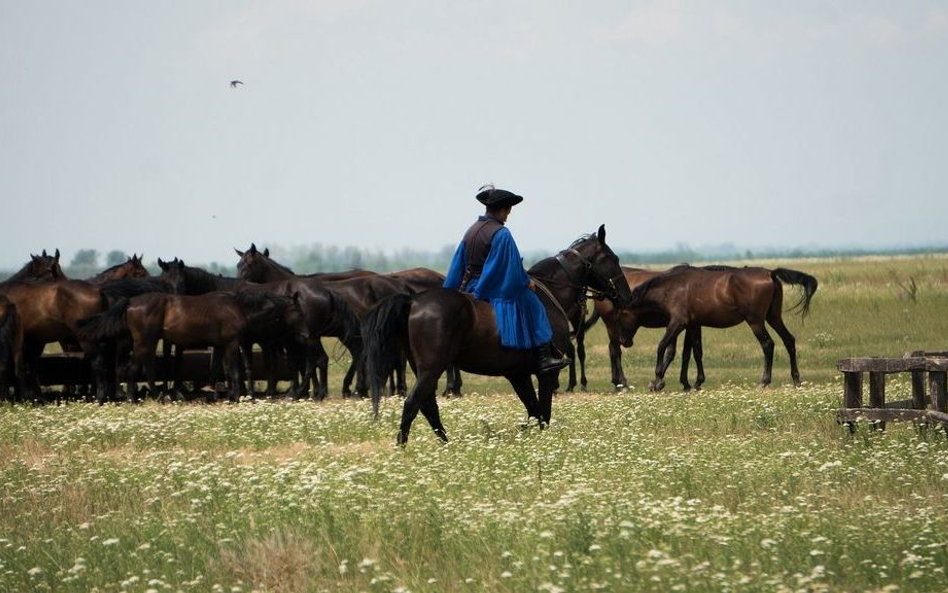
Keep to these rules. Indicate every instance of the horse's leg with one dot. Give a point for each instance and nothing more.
(231, 360)
(663, 357)
(767, 345)
(150, 374)
(686, 349)
(452, 382)
(615, 363)
(581, 355)
(697, 350)
(321, 383)
(32, 353)
(246, 357)
(789, 342)
(429, 408)
(547, 385)
(424, 388)
(401, 385)
(523, 387)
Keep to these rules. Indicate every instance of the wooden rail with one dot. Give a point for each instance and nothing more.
(929, 398)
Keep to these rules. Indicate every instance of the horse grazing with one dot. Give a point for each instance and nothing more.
(723, 296)
(220, 319)
(132, 268)
(11, 349)
(40, 268)
(441, 327)
(616, 320)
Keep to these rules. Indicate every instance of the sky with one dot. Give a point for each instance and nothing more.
(372, 123)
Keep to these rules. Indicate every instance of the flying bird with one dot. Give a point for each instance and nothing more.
(234, 83)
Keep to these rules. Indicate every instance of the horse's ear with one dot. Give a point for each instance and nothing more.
(266, 252)
(602, 234)
(253, 248)
(162, 264)
(180, 263)
(239, 252)
(44, 253)
(57, 254)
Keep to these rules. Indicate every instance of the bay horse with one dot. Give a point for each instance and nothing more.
(723, 296)
(217, 319)
(132, 268)
(617, 321)
(440, 327)
(11, 350)
(50, 312)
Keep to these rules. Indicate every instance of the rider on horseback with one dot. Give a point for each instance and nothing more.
(488, 265)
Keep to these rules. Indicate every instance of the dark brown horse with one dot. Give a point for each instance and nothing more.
(440, 327)
(327, 315)
(618, 321)
(132, 268)
(11, 349)
(361, 290)
(40, 268)
(723, 296)
(219, 319)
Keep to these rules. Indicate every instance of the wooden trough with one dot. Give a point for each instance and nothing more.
(929, 400)
(69, 368)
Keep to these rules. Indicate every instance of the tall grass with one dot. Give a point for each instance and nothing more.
(731, 488)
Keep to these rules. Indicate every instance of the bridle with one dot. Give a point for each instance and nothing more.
(586, 291)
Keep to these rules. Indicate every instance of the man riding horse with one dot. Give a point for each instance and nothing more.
(488, 265)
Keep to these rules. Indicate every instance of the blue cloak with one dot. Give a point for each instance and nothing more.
(521, 319)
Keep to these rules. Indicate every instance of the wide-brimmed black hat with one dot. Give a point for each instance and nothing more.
(497, 198)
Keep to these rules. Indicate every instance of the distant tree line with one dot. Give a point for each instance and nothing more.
(331, 258)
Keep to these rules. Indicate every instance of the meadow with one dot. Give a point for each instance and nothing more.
(732, 488)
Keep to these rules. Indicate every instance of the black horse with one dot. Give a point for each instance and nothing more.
(440, 327)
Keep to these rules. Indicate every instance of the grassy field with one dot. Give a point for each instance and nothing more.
(729, 489)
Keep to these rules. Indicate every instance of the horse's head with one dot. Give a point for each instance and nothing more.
(253, 265)
(173, 274)
(602, 272)
(42, 268)
(295, 320)
(132, 268)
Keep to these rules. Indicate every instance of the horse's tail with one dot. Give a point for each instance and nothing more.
(806, 281)
(104, 326)
(384, 331)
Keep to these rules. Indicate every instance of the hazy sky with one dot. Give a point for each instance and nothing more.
(372, 123)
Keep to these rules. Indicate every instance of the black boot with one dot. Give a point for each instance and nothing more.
(548, 362)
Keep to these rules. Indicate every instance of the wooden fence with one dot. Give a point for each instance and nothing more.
(929, 400)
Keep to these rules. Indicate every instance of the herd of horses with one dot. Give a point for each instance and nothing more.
(118, 318)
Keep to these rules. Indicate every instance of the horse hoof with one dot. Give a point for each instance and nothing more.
(656, 385)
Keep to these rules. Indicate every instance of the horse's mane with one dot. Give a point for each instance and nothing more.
(24, 275)
(642, 289)
(130, 287)
(541, 266)
(342, 316)
(200, 281)
(270, 261)
(104, 272)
